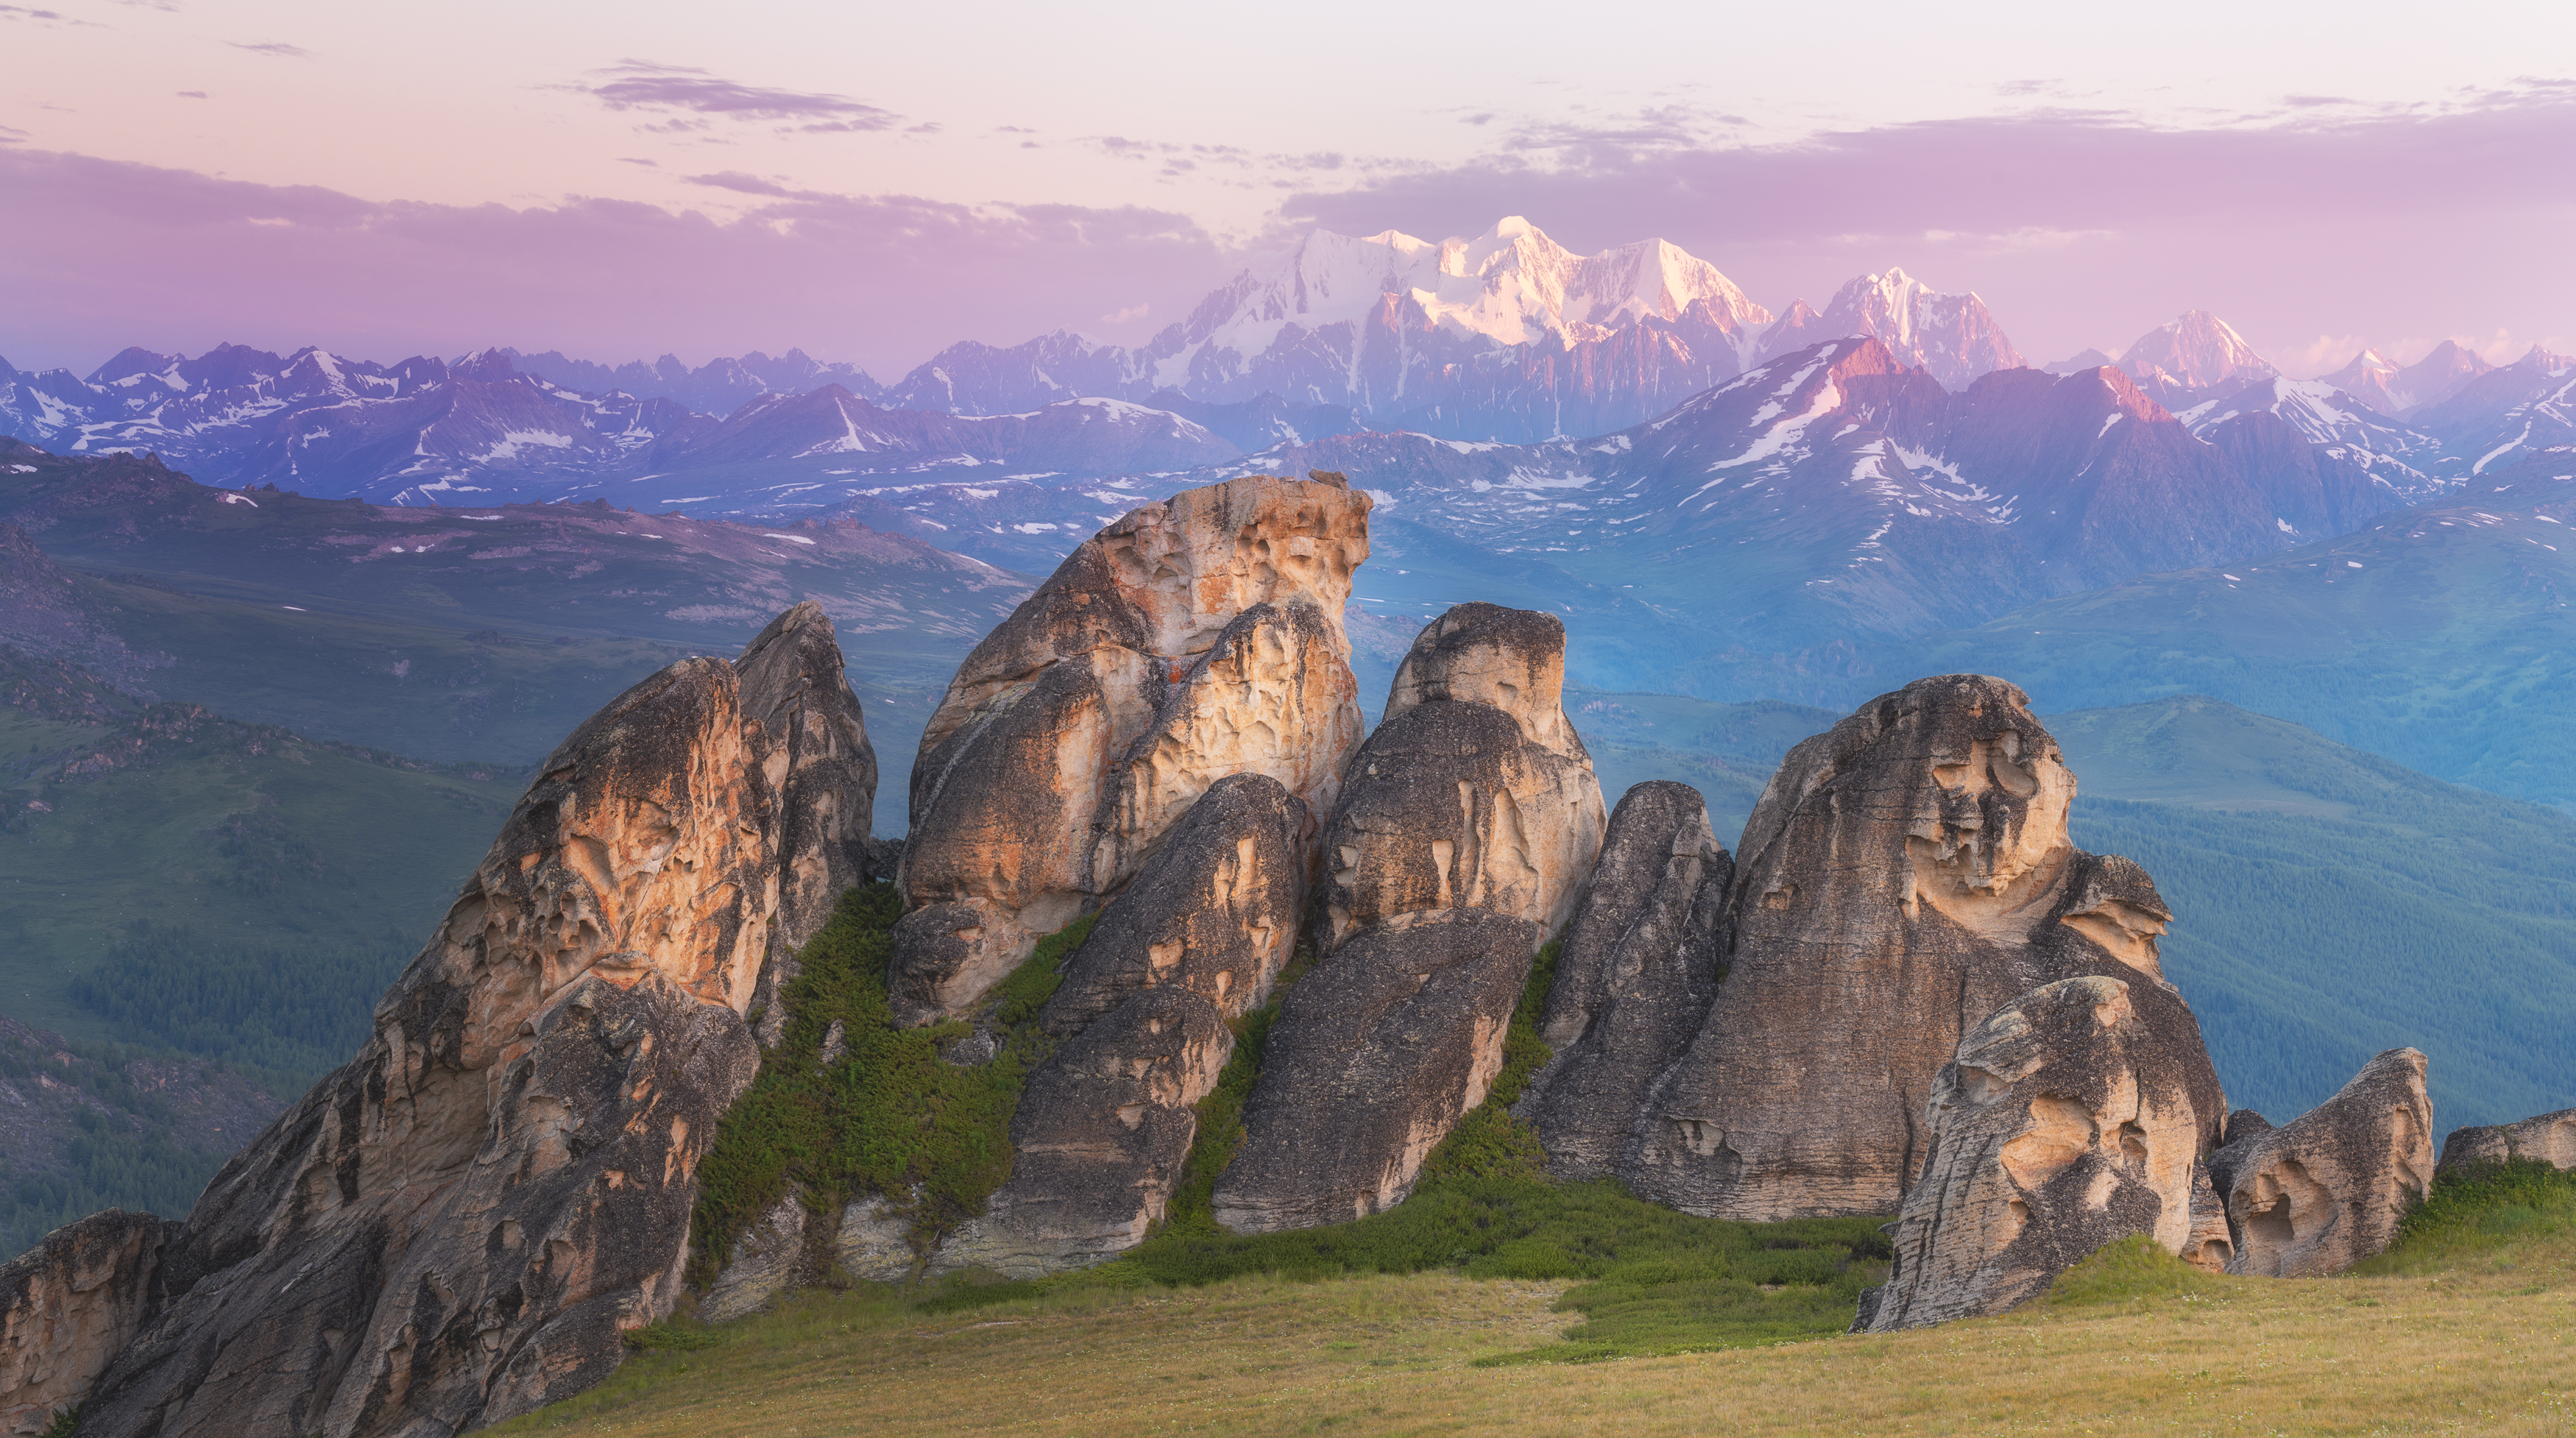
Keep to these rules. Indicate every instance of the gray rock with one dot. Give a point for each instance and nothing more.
(1474, 792)
(818, 761)
(2067, 1121)
(1100, 1136)
(457, 1225)
(1375, 1055)
(1633, 978)
(768, 1259)
(2550, 1138)
(1904, 875)
(2328, 1189)
(874, 1240)
(67, 1306)
(1215, 910)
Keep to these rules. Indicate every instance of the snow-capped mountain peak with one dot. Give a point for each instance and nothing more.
(2195, 351)
(1953, 336)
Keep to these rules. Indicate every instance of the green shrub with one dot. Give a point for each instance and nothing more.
(2130, 1268)
(2478, 1207)
(891, 1116)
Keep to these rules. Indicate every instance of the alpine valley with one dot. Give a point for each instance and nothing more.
(1453, 756)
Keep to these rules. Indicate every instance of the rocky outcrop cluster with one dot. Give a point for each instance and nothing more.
(1193, 639)
(2327, 1189)
(460, 1224)
(1905, 875)
(1464, 829)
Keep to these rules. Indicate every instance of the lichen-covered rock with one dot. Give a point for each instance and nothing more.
(457, 1225)
(2550, 1138)
(2069, 1119)
(1375, 1055)
(818, 761)
(1633, 977)
(874, 1241)
(1100, 1136)
(1192, 639)
(1474, 792)
(1903, 876)
(2327, 1189)
(67, 1306)
(1215, 910)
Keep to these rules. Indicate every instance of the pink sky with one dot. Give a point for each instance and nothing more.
(623, 181)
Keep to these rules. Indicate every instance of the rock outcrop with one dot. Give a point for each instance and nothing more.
(1375, 1055)
(2327, 1189)
(1215, 910)
(1474, 792)
(817, 759)
(1100, 1136)
(459, 1224)
(1634, 977)
(1103, 1127)
(1192, 639)
(2549, 1138)
(68, 1306)
(1904, 875)
(2068, 1119)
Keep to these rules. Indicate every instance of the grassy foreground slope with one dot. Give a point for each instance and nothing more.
(2469, 1325)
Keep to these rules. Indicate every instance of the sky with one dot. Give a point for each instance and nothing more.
(871, 183)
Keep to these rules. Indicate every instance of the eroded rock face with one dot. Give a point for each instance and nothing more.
(1634, 978)
(68, 1306)
(2327, 1189)
(1474, 792)
(818, 761)
(1375, 1055)
(1192, 639)
(1215, 910)
(1905, 874)
(457, 1225)
(1100, 1136)
(2550, 1138)
(2068, 1119)
(768, 1259)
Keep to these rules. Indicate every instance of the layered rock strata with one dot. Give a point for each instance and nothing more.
(1192, 639)
(2068, 1119)
(2549, 1138)
(459, 1224)
(1634, 976)
(1375, 1055)
(1474, 792)
(2328, 1189)
(1103, 1127)
(818, 761)
(68, 1306)
(1904, 875)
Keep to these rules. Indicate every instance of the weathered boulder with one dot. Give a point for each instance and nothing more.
(458, 1225)
(2550, 1138)
(1215, 910)
(1904, 875)
(1633, 977)
(68, 1306)
(817, 759)
(2327, 1189)
(1375, 1055)
(2068, 1119)
(2211, 1247)
(1192, 639)
(1474, 792)
(1100, 1136)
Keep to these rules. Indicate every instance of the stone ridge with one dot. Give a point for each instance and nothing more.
(67, 1307)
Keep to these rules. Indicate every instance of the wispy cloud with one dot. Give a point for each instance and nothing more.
(45, 17)
(277, 48)
(192, 94)
(694, 96)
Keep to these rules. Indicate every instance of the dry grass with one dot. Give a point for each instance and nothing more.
(2485, 1342)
